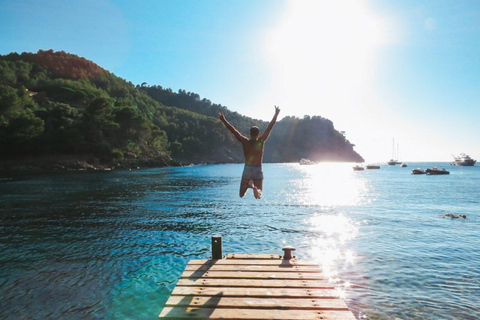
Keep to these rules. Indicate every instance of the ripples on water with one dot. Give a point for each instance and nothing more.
(113, 244)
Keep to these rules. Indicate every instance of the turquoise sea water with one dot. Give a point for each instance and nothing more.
(111, 245)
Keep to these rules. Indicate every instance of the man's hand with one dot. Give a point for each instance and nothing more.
(277, 110)
(221, 116)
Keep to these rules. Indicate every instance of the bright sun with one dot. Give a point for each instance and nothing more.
(321, 53)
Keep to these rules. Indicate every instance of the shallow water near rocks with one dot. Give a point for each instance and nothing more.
(111, 245)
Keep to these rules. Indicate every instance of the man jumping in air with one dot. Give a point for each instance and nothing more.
(253, 151)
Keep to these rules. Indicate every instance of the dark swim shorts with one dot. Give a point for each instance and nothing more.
(252, 173)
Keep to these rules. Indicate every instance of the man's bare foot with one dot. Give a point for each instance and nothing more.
(256, 192)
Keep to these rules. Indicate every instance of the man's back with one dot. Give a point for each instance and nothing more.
(253, 152)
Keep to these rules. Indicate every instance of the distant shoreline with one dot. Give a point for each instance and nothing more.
(46, 163)
(42, 163)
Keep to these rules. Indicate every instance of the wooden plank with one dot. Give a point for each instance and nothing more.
(292, 262)
(251, 275)
(256, 292)
(264, 283)
(252, 314)
(255, 302)
(253, 256)
(288, 268)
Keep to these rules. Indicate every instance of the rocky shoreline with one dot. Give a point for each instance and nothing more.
(86, 162)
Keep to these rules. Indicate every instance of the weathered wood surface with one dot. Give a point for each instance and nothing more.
(255, 302)
(270, 262)
(253, 314)
(256, 287)
(264, 283)
(252, 256)
(256, 292)
(263, 268)
(252, 275)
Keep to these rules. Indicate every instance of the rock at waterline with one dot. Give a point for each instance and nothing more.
(454, 216)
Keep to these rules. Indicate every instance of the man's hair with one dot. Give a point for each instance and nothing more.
(254, 131)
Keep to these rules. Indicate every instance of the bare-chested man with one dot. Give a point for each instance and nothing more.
(253, 151)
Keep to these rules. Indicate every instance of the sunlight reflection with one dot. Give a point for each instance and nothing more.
(330, 184)
(332, 232)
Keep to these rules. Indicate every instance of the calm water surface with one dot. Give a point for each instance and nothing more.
(111, 245)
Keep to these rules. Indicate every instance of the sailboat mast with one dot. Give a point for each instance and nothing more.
(393, 149)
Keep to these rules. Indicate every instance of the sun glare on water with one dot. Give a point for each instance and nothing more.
(329, 247)
(330, 184)
(333, 188)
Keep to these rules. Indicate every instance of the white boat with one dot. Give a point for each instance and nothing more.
(393, 162)
(394, 159)
(463, 160)
(306, 162)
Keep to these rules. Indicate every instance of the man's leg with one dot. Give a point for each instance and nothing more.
(257, 190)
(244, 185)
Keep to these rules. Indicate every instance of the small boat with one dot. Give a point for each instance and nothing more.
(372, 166)
(358, 168)
(463, 160)
(418, 171)
(394, 160)
(403, 165)
(306, 162)
(435, 171)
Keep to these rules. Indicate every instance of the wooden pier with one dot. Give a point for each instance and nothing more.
(254, 286)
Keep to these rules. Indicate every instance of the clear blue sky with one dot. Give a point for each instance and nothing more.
(408, 70)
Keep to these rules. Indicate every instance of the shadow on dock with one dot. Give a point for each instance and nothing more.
(191, 308)
(202, 269)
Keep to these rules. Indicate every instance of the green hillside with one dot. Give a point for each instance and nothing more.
(55, 103)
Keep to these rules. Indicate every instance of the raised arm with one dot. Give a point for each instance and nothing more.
(271, 124)
(232, 129)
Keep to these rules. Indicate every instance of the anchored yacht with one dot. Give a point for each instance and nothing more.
(463, 160)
